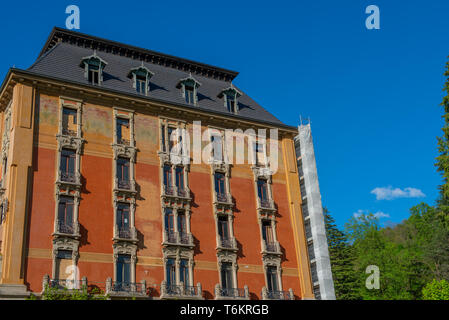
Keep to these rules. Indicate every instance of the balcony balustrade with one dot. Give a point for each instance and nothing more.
(63, 284)
(271, 247)
(231, 293)
(222, 197)
(180, 291)
(121, 288)
(68, 177)
(178, 238)
(69, 132)
(125, 233)
(277, 295)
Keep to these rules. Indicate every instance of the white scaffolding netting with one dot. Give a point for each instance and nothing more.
(313, 205)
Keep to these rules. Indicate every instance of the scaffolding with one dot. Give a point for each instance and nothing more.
(312, 209)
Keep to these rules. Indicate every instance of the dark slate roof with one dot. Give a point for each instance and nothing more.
(62, 60)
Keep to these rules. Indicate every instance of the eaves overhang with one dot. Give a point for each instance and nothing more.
(15, 75)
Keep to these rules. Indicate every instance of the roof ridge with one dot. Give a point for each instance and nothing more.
(80, 39)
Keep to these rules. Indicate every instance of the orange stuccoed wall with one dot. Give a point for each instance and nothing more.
(96, 208)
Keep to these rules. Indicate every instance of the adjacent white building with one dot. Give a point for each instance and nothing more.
(312, 209)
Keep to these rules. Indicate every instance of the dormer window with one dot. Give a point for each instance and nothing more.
(141, 79)
(230, 96)
(189, 89)
(93, 68)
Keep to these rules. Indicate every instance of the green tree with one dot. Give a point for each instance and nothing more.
(341, 258)
(443, 149)
(436, 290)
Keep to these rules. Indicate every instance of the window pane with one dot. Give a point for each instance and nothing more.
(223, 230)
(167, 176)
(169, 220)
(262, 189)
(272, 279)
(226, 275)
(184, 272)
(123, 216)
(163, 138)
(219, 183)
(182, 227)
(180, 178)
(171, 272)
(123, 169)
(123, 268)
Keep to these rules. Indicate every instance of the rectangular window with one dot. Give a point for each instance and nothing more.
(94, 74)
(169, 219)
(184, 272)
(163, 138)
(230, 101)
(267, 232)
(64, 264)
(220, 186)
(67, 165)
(69, 121)
(182, 222)
(123, 133)
(223, 231)
(259, 153)
(168, 181)
(272, 279)
(123, 265)
(180, 180)
(226, 276)
(123, 220)
(141, 84)
(65, 214)
(217, 147)
(262, 189)
(171, 139)
(123, 173)
(170, 270)
(189, 95)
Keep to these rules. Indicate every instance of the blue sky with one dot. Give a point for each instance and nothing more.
(372, 95)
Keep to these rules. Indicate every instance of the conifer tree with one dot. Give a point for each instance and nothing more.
(342, 261)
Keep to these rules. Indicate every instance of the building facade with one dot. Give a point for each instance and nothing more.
(102, 183)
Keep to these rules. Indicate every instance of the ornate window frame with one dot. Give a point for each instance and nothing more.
(174, 159)
(226, 93)
(192, 82)
(123, 150)
(144, 72)
(125, 248)
(93, 60)
(64, 241)
(67, 141)
(188, 213)
(178, 254)
(64, 244)
(229, 257)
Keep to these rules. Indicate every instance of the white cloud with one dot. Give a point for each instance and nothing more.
(389, 193)
(378, 214)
